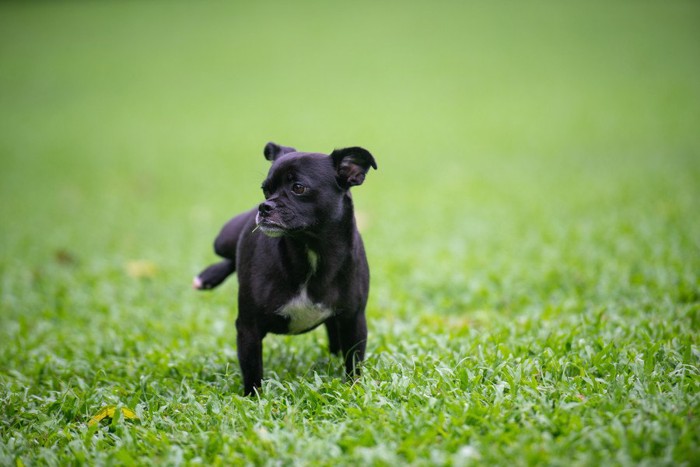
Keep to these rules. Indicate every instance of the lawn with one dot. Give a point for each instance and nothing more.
(533, 230)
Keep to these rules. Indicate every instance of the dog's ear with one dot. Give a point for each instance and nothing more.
(272, 151)
(351, 165)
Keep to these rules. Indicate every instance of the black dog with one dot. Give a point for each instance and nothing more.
(299, 257)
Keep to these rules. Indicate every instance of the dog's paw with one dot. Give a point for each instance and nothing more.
(197, 283)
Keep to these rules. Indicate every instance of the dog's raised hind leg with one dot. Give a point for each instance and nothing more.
(214, 275)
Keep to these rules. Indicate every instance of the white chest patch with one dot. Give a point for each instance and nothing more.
(303, 314)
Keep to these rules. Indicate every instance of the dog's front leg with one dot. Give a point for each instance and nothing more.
(353, 340)
(249, 340)
(333, 336)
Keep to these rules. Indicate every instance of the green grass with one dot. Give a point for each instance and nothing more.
(532, 230)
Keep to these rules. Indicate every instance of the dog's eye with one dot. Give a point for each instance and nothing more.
(298, 189)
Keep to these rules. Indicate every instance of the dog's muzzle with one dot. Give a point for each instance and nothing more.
(263, 222)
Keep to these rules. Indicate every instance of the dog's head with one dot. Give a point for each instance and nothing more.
(304, 192)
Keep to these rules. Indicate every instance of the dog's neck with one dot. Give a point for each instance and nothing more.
(326, 249)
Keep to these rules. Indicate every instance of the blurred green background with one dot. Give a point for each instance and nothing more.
(135, 129)
(517, 142)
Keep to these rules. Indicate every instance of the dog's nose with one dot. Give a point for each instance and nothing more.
(265, 208)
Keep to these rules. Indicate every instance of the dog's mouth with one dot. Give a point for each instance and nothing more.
(268, 227)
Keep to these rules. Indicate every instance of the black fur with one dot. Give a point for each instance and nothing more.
(299, 257)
